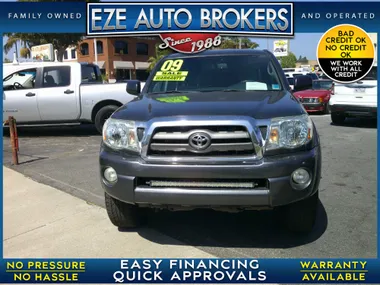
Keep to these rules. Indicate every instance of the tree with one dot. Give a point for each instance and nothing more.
(288, 61)
(24, 52)
(233, 43)
(60, 41)
(160, 53)
(6, 60)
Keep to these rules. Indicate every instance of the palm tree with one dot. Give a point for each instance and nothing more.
(160, 53)
(248, 44)
(11, 42)
(26, 40)
(236, 42)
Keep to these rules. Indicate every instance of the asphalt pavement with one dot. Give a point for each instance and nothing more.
(67, 158)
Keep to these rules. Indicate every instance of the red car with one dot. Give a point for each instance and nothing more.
(317, 98)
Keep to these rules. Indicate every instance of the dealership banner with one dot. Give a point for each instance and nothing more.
(190, 271)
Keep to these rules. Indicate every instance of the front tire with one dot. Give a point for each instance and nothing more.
(102, 115)
(327, 109)
(121, 214)
(337, 119)
(300, 217)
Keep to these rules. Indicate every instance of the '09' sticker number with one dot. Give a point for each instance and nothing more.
(170, 71)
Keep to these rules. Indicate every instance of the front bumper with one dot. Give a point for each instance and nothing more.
(276, 170)
(354, 111)
(314, 107)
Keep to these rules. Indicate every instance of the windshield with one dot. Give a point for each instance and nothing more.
(215, 73)
(20, 80)
(322, 85)
(372, 75)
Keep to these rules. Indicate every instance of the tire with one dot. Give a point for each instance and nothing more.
(300, 217)
(337, 119)
(122, 215)
(102, 115)
(327, 109)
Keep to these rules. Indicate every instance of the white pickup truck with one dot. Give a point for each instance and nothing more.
(357, 99)
(54, 93)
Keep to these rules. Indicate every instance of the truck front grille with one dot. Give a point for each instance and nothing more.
(201, 141)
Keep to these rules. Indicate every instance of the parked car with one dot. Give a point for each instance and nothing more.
(223, 132)
(53, 93)
(317, 98)
(313, 75)
(357, 99)
(291, 82)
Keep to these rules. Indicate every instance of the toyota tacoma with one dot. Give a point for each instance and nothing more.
(219, 129)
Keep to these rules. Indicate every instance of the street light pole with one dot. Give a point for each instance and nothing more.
(96, 52)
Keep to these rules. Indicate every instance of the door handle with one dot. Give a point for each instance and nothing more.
(30, 94)
(68, 91)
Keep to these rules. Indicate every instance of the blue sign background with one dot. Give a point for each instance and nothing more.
(286, 271)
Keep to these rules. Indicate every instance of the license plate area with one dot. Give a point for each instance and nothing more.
(359, 90)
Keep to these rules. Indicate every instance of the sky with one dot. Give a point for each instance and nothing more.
(301, 45)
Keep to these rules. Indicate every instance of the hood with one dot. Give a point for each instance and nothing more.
(258, 104)
(312, 93)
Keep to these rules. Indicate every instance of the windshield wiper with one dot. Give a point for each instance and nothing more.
(235, 90)
(223, 90)
(169, 92)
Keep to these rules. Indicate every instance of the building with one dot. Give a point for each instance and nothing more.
(312, 63)
(119, 58)
(70, 54)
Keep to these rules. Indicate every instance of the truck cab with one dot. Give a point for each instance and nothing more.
(45, 92)
(56, 93)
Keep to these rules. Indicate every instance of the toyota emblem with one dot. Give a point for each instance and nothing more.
(199, 141)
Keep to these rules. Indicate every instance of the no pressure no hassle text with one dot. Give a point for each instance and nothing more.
(346, 53)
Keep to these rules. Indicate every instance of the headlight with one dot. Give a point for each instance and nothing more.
(120, 134)
(289, 132)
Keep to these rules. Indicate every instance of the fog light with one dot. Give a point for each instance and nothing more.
(110, 175)
(301, 177)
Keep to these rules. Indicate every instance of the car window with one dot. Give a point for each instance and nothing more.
(24, 79)
(322, 85)
(56, 76)
(213, 73)
(90, 74)
(291, 80)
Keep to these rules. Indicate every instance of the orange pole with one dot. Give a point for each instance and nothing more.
(14, 139)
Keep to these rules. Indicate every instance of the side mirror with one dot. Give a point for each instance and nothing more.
(134, 87)
(302, 82)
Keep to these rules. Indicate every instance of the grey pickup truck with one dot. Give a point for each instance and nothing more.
(220, 130)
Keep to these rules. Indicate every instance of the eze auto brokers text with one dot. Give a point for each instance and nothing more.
(251, 19)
